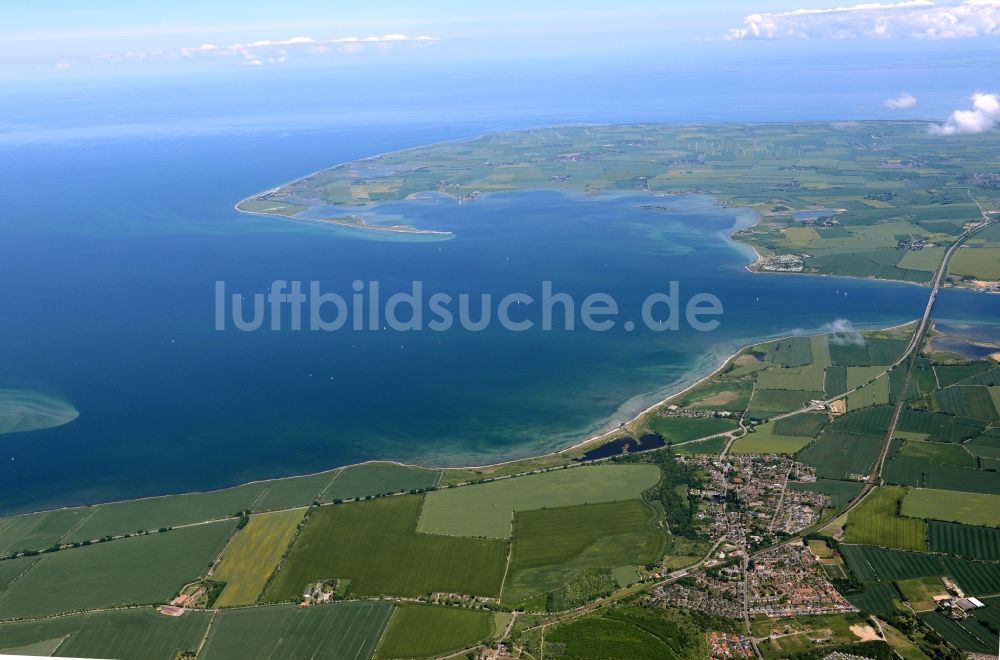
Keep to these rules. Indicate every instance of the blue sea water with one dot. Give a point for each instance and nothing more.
(110, 249)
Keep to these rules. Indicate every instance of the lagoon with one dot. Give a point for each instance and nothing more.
(109, 279)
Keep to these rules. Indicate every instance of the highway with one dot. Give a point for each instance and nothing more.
(909, 357)
(874, 479)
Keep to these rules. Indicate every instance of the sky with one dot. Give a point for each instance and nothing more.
(59, 35)
(936, 59)
(123, 37)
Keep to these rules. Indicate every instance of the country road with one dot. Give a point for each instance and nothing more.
(909, 357)
(907, 360)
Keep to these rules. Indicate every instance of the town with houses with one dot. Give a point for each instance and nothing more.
(746, 504)
(789, 581)
(747, 501)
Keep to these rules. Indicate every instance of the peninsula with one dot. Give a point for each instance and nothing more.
(815, 495)
(863, 199)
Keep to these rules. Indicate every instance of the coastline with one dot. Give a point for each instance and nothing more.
(361, 224)
(754, 267)
(610, 432)
(411, 230)
(607, 435)
(602, 430)
(624, 429)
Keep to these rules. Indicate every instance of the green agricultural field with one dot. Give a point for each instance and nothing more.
(946, 477)
(45, 648)
(875, 351)
(487, 509)
(11, 569)
(870, 564)
(253, 554)
(835, 382)
(630, 631)
(873, 394)
(923, 473)
(378, 479)
(989, 616)
(807, 425)
(142, 569)
(849, 353)
(980, 263)
(37, 531)
(927, 259)
(767, 403)
(292, 492)
(809, 377)
(375, 544)
(920, 592)
(953, 506)
(965, 540)
(746, 363)
(820, 349)
(876, 597)
(337, 631)
(682, 429)
(972, 401)
(718, 395)
(990, 378)
(877, 522)
(798, 363)
(939, 453)
(886, 350)
(965, 635)
(768, 444)
(911, 436)
(765, 440)
(557, 536)
(790, 352)
(598, 637)
(939, 427)
(422, 631)
(552, 546)
(870, 421)
(921, 381)
(135, 634)
(986, 445)
(713, 446)
(842, 455)
(950, 374)
(858, 376)
(168, 511)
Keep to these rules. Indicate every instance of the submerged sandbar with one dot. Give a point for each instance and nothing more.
(29, 410)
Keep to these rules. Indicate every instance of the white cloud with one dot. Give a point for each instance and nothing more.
(271, 51)
(844, 333)
(911, 18)
(984, 115)
(902, 102)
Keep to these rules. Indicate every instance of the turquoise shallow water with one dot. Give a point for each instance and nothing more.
(108, 265)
